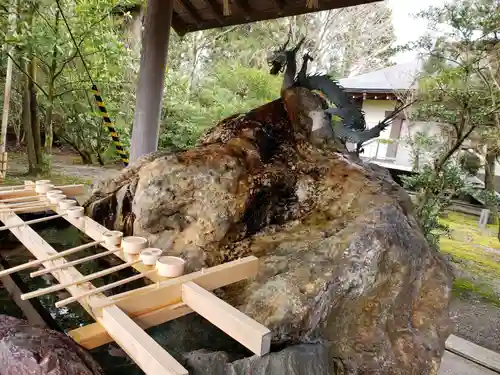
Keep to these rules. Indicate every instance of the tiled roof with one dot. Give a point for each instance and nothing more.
(396, 77)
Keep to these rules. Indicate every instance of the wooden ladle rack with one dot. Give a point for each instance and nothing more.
(123, 317)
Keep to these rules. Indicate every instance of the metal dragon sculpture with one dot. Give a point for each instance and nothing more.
(352, 128)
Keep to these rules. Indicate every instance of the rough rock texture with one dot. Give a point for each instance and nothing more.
(30, 350)
(310, 359)
(343, 260)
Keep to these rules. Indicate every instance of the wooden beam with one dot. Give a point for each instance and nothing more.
(280, 4)
(215, 10)
(68, 190)
(239, 326)
(149, 312)
(288, 9)
(148, 355)
(243, 8)
(26, 307)
(94, 335)
(178, 24)
(191, 11)
(156, 296)
(42, 250)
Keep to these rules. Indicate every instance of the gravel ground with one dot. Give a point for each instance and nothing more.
(477, 321)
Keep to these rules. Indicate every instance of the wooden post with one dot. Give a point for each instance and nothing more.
(149, 92)
(6, 98)
(483, 219)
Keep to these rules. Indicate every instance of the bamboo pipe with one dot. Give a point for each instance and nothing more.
(12, 187)
(37, 262)
(34, 221)
(17, 209)
(28, 198)
(23, 204)
(103, 288)
(18, 187)
(92, 276)
(73, 263)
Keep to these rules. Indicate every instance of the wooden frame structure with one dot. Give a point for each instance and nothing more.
(123, 317)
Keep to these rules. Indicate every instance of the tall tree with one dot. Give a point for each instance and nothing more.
(452, 90)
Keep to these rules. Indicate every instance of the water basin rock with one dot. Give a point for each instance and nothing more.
(29, 350)
(343, 261)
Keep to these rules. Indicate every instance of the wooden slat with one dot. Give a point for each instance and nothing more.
(156, 296)
(239, 326)
(68, 190)
(190, 10)
(215, 10)
(94, 335)
(261, 10)
(27, 308)
(159, 303)
(150, 356)
(42, 250)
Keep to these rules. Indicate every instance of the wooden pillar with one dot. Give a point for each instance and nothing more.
(149, 91)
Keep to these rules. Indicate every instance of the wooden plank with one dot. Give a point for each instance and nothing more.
(94, 335)
(26, 307)
(264, 10)
(156, 304)
(42, 250)
(156, 296)
(68, 190)
(143, 349)
(478, 354)
(150, 356)
(251, 334)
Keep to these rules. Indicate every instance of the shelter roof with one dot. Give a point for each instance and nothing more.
(194, 15)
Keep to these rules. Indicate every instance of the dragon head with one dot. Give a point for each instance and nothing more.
(277, 59)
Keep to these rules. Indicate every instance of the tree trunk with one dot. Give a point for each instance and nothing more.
(489, 183)
(35, 122)
(26, 119)
(49, 133)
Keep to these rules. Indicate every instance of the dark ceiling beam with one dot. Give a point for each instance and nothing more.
(280, 4)
(244, 8)
(212, 16)
(188, 8)
(178, 24)
(215, 10)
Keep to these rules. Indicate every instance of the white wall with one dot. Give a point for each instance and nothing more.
(374, 113)
(409, 129)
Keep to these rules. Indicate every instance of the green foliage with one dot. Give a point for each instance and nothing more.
(455, 92)
(229, 90)
(470, 162)
(422, 145)
(211, 74)
(434, 194)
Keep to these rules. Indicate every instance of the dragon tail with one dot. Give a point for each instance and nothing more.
(335, 93)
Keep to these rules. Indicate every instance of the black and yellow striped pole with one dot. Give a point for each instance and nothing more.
(109, 125)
